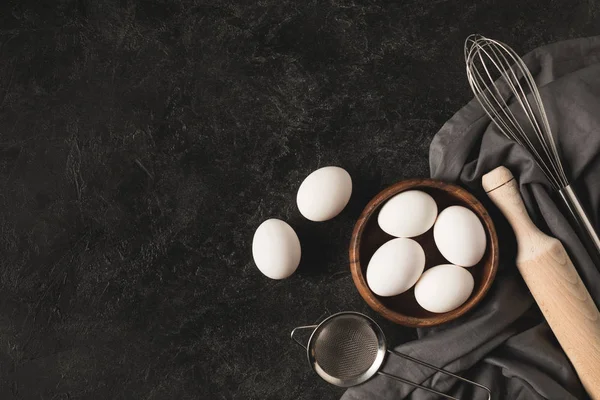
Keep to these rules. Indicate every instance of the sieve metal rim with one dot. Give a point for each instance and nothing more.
(365, 376)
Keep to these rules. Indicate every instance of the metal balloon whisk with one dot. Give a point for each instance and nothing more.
(497, 76)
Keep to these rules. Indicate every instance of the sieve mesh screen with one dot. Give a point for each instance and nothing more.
(345, 346)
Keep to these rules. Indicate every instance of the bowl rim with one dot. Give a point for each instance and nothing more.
(369, 211)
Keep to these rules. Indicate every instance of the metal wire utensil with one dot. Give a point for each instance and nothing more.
(496, 75)
(348, 348)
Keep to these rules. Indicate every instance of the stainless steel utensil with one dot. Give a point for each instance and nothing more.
(496, 74)
(348, 348)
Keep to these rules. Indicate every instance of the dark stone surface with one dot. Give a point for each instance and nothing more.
(142, 143)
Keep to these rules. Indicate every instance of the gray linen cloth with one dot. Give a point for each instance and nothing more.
(505, 342)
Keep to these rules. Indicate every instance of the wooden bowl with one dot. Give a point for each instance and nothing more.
(368, 237)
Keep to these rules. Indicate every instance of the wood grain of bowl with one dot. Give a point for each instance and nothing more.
(368, 237)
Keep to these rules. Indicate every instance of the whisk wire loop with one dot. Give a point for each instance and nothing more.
(497, 75)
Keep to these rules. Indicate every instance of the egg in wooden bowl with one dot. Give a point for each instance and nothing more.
(479, 259)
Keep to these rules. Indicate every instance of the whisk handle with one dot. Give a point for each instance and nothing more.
(584, 226)
(553, 281)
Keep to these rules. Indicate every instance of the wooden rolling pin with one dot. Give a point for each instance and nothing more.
(553, 282)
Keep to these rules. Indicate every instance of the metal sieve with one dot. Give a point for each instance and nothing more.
(348, 348)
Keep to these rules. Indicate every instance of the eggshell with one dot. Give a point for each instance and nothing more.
(459, 236)
(444, 288)
(408, 214)
(395, 267)
(276, 249)
(324, 193)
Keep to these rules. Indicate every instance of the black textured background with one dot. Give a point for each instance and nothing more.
(142, 143)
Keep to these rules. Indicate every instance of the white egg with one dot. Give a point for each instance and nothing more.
(324, 193)
(444, 288)
(408, 214)
(276, 249)
(395, 267)
(459, 236)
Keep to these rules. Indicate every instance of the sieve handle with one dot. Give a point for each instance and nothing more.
(440, 370)
(298, 329)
